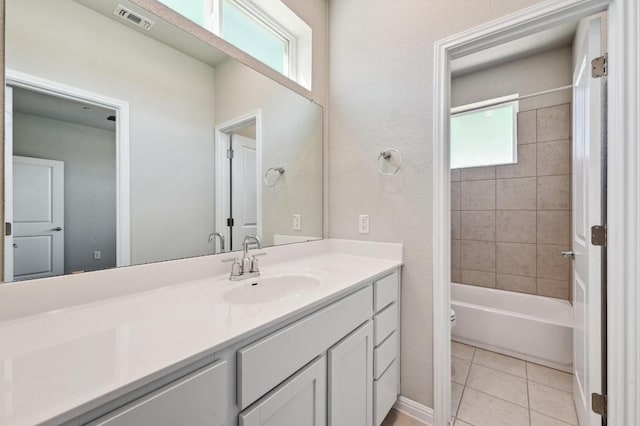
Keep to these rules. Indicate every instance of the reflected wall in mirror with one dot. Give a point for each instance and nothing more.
(128, 145)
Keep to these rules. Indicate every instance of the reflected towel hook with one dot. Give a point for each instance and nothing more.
(387, 154)
(273, 171)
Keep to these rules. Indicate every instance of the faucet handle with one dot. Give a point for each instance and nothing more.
(236, 268)
(255, 264)
(264, 253)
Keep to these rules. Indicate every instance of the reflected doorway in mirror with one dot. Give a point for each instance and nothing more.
(238, 179)
(79, 118)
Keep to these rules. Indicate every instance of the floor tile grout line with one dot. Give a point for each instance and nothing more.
(497, 397)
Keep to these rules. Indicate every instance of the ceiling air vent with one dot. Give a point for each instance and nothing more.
(133, 18)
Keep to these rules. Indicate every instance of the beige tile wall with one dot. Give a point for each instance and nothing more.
(509, 223)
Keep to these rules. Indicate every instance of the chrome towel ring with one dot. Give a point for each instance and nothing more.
(387, 155)
(272, 176)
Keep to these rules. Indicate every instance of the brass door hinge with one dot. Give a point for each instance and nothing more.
(599, 404)
(599, 235)
(600, 66)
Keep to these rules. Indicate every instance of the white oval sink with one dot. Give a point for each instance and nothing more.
(274, 288)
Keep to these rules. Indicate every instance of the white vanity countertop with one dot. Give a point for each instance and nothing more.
(55, 361)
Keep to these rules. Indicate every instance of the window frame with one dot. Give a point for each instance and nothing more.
(266, 21)
(489, 104)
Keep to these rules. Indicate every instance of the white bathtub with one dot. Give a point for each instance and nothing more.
(534, 328)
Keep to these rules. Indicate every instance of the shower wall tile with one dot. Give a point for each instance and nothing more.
(516, 259)
(455, 196)
(516, 283)
(455, 224)
(479, 278)
(551, 264)
(554, 192)
(478, 195)
(509, 222)
(553, 123)
(554, 227)
(526, 166)
(554, 158)
(516, 226)
(455, 254)
(527, 127)
(478, 255)
(553, 288)
(478, 173)
(455, 275)
(516, 194)
(480, 225)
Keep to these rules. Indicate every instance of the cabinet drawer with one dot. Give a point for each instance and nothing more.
(197, 399)
(384, 355)
(269, 361)
(385, 291)
(385, 393)
(385, 323)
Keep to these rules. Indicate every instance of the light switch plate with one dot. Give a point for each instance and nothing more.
(97, 255)
(363, 223)
(297, 222)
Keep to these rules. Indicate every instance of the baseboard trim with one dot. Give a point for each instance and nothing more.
(414, 409)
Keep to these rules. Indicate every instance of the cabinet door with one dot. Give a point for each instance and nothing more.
(299, 401)
(195, 400)
(351, 379)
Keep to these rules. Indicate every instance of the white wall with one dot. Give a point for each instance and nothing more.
(381, 77)
(171, 99)
(292, 138)
(532, 74)
(89, 156)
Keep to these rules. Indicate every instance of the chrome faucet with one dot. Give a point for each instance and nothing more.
(247, 266)
(212, 236)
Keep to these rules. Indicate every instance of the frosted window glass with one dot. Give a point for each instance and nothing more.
(484, 137)
(195, 10)
(246, 33)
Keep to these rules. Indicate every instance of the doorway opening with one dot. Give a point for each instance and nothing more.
(238, 180)
(524, 287)
(66, 180)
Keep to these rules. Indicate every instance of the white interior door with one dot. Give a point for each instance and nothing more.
(38, 218)
(244, 192)
(587, 213)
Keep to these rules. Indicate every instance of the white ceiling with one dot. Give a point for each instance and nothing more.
(543, 41)
(55, 108)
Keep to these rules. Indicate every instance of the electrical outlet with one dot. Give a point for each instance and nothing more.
(97, 255)
(297, 222)
(363, 223)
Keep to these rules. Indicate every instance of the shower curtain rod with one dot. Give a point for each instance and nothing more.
(519, 98)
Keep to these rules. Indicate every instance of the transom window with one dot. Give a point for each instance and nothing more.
(485, 133)
(267, 30)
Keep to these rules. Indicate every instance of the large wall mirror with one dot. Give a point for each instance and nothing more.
(130, 141)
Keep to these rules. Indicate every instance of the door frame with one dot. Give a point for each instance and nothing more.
(623, 242)
(221, 143)
(123, 204)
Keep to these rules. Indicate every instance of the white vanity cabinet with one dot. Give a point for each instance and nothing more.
(386, 332)
(300, 401)
(335, 365)
(351, 379)
(195, 400)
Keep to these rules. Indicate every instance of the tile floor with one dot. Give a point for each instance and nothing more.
(489, 389)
